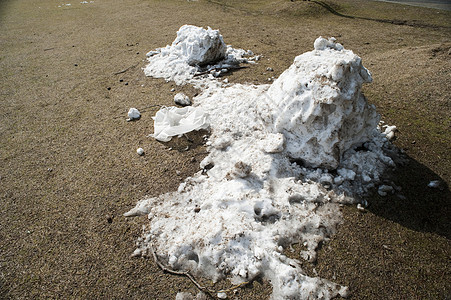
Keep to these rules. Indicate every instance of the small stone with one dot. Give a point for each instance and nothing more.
(121, 80)
(140, 151)
(197, 209)
(222, 295)
(269, 69)
(109, 219)
(172, 90)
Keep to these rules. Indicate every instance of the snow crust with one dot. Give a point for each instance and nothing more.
(282, 158)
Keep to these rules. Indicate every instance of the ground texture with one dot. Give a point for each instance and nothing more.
(68, 162)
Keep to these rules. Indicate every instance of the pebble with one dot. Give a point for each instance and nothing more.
(140, 151)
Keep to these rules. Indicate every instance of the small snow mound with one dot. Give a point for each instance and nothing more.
(198, 46)
(194, 51)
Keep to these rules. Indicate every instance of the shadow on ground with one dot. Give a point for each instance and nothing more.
(416, 206)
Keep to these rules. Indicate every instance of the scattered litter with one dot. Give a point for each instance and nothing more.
(140, 151)
(182, 99)
(133, 114)
(174, 121)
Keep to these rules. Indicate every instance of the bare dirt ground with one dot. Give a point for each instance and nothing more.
(68, 162)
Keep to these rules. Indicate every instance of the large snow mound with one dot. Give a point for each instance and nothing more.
(195, 50)
(282, 157)
(318, 106)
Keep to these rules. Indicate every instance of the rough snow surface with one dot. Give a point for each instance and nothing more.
(282, 157)
(195, 50)
(318, 106)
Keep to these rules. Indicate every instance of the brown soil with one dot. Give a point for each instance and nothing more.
(69, 167)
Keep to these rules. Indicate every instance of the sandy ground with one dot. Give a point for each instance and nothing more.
(68, 162)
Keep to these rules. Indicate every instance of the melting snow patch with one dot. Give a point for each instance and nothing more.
(282, 157)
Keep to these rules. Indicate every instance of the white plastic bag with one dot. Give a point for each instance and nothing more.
(174, 121)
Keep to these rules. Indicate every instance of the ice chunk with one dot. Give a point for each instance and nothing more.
(174, 121)
(182, 99)
(133, 114)
(434, 184)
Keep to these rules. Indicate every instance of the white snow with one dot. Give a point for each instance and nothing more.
(182, 99)
(194, 50)
(282, 157)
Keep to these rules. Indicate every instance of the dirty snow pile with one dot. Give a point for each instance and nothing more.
(282, 157)
(195, 51)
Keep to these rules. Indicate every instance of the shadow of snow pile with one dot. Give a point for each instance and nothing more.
(282, 157)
